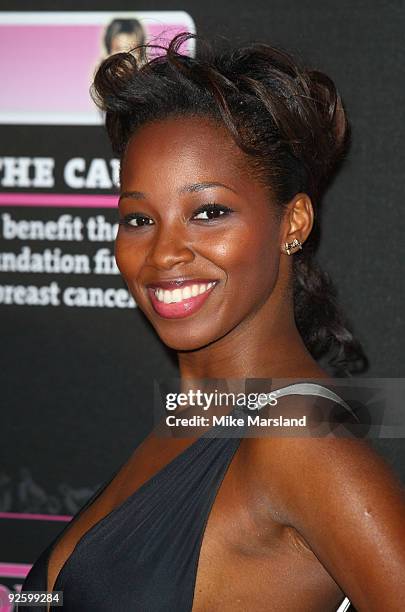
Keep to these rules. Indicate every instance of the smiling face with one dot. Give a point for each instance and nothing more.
(173, 172)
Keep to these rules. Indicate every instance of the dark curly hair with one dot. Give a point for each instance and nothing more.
(289, 120)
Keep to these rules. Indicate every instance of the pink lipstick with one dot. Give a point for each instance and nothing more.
(189, 294)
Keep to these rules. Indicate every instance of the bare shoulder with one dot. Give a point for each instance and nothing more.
(321, 463)
(326, 470)
(348, 505)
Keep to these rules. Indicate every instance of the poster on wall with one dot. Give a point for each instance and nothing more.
(58, 221)
(55, 56)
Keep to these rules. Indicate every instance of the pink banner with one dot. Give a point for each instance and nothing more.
(48, 60)
(58, 199)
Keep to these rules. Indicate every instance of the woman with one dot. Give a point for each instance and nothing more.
(224, 160)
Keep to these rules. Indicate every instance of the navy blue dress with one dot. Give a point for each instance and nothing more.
(143, 555)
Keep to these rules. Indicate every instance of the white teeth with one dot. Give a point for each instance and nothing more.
(177, 295)
(186, 293)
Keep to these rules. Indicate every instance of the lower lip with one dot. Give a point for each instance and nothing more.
(179, 310)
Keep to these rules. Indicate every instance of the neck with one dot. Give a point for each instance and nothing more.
(266, 344)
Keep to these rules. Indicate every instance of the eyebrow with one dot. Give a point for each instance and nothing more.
(194, 187)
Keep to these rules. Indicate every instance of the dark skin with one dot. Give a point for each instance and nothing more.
(297, 521)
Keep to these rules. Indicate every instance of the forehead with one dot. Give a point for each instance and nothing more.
(193, 147)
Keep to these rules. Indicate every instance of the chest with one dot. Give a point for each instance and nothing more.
(200, 546)
(248, 561)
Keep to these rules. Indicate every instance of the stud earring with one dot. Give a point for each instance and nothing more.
(295, 244)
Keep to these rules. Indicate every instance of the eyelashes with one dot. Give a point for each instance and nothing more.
(212, 211)
(213, 208)
(127, 221)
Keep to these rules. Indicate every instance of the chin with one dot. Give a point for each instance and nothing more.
(185, 342)
(190, 333)
(186, 334)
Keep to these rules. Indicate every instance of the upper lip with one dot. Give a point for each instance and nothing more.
(178, 282)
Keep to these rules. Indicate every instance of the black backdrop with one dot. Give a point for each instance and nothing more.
(76, 385)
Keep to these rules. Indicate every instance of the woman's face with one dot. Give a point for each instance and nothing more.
(173, 171)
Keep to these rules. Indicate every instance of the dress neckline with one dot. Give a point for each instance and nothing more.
(149, 483)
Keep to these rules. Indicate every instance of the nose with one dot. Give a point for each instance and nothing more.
(168, 249)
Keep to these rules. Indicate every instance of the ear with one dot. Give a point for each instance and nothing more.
(298, 219)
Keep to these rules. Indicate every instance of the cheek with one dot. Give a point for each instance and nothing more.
(248, 257)
(127, 256)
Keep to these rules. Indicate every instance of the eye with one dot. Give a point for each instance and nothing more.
(212, 210)
(135, 220)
